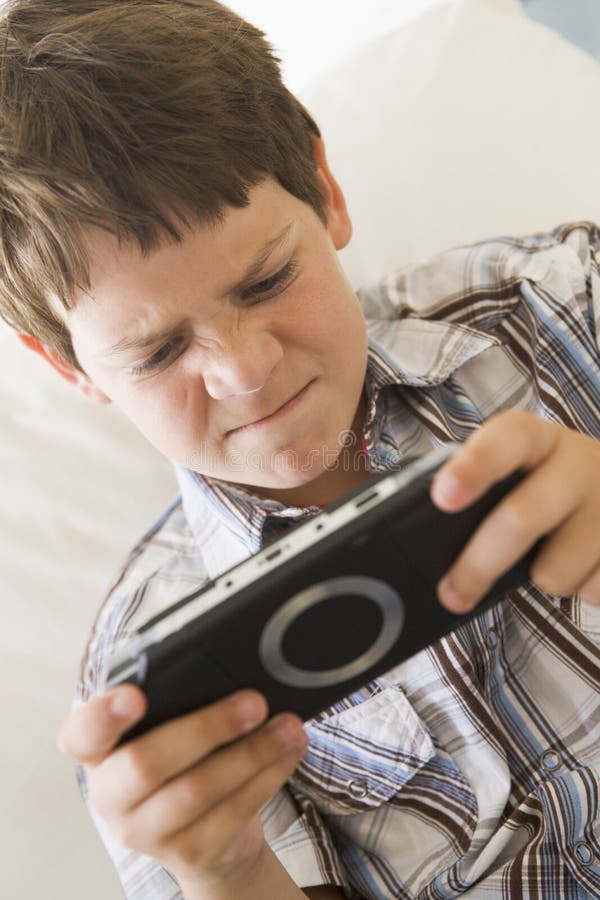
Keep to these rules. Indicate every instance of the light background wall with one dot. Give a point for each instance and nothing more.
(315, 35)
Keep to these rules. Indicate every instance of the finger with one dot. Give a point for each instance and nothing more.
(211, 782)
(138, 768)
(570, 556)
(219, 828)
(90, 732)
(505, 535)
(506, 442)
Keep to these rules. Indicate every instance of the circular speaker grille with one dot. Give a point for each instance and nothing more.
(368, 597)
(332, 633)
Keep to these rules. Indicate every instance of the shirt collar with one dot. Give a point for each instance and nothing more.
(413, 352)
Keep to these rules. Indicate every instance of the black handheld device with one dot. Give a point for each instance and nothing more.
(336, 602)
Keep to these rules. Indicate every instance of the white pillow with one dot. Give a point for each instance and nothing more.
(467, 122)
(79, 485)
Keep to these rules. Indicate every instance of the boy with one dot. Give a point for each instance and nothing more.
(169, 237)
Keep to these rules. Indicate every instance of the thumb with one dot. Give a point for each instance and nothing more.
(90, 732)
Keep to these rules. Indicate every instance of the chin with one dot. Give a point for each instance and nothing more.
(290, 477)
(288, 474)
(316, 465)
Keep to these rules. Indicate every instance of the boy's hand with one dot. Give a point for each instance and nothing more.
(188, 792)
(559, 497)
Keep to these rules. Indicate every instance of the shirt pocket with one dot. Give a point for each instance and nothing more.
(360, 757)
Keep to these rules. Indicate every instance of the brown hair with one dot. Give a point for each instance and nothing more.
(135, 116)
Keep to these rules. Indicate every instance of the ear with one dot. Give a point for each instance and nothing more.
(74, 376)
(338, 219)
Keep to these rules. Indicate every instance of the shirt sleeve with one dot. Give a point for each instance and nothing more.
(161, 569)
(478, 285)
(141, 877)
(584, 242)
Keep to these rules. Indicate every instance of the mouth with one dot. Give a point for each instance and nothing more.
(279, 413)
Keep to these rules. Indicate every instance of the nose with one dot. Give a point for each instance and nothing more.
(242, 366)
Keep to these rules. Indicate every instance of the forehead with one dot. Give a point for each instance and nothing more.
(236, 235)
(208, 258)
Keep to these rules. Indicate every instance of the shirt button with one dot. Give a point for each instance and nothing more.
(491, 638)
(584, 853)
(551, 760)
(358, 788)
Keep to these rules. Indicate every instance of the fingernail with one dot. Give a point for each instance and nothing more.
(249, 709)
(449, 595)
(445, 488)
(288, 732)
(125, 706)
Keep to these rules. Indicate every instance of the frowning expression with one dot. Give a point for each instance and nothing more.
(240, 351)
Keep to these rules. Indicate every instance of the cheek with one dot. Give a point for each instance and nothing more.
(166, 409)
(338, 325)
(323, 310)
(176, 399)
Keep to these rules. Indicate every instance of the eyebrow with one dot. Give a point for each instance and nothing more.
(250, 275)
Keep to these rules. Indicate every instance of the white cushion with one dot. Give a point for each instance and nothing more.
(467, 122)
(471, 121)
(79, 485)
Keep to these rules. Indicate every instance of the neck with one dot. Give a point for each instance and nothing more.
(348, 472)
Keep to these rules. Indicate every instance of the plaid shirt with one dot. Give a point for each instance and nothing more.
(472, 769)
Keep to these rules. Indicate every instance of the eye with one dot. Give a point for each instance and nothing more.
(272, 286)
(165, 354)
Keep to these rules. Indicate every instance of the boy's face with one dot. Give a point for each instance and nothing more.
(255, 379)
